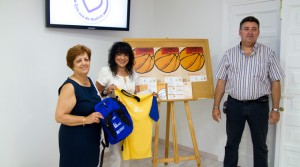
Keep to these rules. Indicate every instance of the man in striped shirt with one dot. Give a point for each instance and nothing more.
(249, 73)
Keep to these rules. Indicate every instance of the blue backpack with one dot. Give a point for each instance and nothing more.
(117, 123)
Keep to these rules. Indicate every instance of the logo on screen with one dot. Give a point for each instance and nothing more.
(92, 11)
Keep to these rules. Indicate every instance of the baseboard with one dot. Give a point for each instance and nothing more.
(181, 147)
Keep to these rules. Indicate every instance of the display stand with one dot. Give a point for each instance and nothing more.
(170, 116)
(172, 62)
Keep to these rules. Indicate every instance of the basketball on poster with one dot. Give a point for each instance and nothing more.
(174, 68)
(168, 61)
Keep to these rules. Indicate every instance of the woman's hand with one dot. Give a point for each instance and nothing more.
(154, 94)
(111, 88)
(94, 118)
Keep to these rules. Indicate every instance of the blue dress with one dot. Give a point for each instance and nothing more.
(79, 146)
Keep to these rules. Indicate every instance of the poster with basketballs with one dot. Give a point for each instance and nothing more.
(182, 65)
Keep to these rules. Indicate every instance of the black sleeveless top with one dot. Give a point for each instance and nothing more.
(79, 145)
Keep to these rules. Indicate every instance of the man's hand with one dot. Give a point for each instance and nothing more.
(216, 114)
(274, 117)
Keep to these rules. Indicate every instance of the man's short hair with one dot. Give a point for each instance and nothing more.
(249, 19)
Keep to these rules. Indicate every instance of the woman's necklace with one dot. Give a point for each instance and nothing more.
(82, 81)
(123, 73)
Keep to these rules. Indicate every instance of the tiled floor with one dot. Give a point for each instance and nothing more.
(206, 161)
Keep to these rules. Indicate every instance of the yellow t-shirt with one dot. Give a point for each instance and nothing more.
(138, 144)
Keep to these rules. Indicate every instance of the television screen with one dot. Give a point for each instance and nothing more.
(88, 14)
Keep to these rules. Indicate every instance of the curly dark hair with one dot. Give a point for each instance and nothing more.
(123, 48)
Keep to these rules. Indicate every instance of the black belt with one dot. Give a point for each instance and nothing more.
(260, 99)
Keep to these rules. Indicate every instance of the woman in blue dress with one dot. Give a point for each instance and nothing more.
(79, 133)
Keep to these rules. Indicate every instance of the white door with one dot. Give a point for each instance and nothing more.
(287, 153)
(268, 13)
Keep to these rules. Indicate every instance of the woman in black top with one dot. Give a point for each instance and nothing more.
(79, 133)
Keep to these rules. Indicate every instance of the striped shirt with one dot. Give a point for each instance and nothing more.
(249, 77)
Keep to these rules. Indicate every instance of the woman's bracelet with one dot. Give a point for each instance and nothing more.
(102, 92)
(83, 121)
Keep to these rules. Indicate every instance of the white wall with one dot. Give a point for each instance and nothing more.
(192, 19)
(33, 67)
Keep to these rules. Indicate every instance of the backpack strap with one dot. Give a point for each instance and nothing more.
(104, 144)
(130, 95)
(109, 125)
(120, 112)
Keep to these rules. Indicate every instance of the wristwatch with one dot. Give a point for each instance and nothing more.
(278, 109)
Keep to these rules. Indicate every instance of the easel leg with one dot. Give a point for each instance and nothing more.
(155, 152)
(167, 131)
(190, 122)
(176, 157)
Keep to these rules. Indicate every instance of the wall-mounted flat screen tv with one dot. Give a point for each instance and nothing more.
(88, 14)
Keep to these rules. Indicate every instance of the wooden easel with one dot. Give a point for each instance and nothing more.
(202, 88)
(171, 116)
